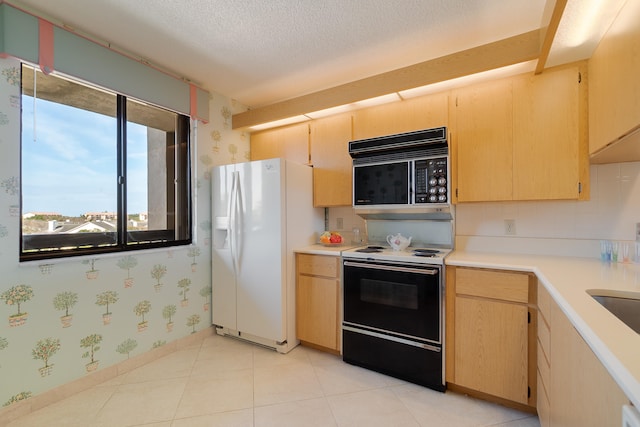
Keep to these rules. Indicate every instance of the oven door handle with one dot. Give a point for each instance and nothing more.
(392, 338)
(430, 272)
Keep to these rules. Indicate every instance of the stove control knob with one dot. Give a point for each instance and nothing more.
(442, 198)
(433, 190)
(433, 198)
(433, 181)
(442, 190)
(442, 181)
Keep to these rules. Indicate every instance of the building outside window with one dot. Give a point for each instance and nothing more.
(100, 172)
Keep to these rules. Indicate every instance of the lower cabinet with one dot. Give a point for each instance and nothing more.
(493, 321)
(578, 390)
(318, 301)
(507, 340)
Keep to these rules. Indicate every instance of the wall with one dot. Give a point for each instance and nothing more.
(24, 375)
(559, 227)
(562, 227)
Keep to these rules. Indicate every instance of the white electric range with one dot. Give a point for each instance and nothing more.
(413, 255)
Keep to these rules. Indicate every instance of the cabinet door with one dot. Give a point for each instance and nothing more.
(423, 112)
(582, 393)
(614, 87)
(547, 135)
(317, 310)
(332, 167)
(291, 143)
(491, 347)
(483, 140)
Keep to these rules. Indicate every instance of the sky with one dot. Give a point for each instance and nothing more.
(70, 166)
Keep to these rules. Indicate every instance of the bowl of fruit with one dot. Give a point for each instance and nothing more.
(331, 238)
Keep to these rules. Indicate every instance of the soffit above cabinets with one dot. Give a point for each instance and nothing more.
(260, 53)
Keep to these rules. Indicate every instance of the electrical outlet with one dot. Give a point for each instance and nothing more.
(638, 232)
(339, 223)
(510, 227)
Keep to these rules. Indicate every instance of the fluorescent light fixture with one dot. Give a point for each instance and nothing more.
(580, 21)
(282, 122)
(510, 70)
(378, 100)
(583, 24)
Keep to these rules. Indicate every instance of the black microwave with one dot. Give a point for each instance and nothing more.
(406, 182)
(403, 170)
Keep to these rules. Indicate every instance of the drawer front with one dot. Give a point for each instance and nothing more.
(544, 337)
(506, 286)
(318, 265)
(544, 370)
(543, 405)
(544, 302)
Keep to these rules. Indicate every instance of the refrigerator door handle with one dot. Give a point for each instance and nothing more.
(237, 221)
(231, 230)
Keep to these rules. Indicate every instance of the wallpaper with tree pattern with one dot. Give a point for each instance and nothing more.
(62, 320)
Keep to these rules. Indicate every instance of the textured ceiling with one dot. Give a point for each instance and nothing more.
(259, 52)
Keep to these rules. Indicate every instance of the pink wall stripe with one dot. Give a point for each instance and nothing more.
(45, 52)
(193, 97)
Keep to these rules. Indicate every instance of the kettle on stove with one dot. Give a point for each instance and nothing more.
(398, 242)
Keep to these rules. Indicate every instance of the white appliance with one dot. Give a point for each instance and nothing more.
(261, 212)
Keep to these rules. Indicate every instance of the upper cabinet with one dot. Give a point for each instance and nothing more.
(614, 90)
(550, 128)
(425, 112)
(482, 123)
(332, 176)
(324, 143)
(522, 138)
(289, 142)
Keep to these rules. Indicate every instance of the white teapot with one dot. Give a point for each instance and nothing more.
(398, 242)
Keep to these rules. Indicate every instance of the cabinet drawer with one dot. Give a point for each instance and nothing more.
(544, 338)
(544, 302)
(544, 370)
(543, 405)
(500, 285)
(318, 265)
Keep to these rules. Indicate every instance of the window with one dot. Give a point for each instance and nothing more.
(100, 172)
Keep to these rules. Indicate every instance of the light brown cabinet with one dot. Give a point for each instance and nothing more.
(418, 113)
(614, 87)
(289, 142)
(522, 137)
(550, 134)
(491, 333)
(332, 168)
(318, 301)
(544, 356)
(322, 143)
(482, 134)
(575, 388)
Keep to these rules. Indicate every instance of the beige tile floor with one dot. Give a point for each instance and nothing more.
(223, 382)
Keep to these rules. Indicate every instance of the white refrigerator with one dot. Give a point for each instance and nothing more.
(261, 212)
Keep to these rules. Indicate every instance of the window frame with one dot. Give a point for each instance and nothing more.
(53, 246)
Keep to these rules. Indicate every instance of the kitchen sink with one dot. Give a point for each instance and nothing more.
(624, 305)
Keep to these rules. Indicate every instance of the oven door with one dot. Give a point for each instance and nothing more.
(381, 184)
(402, 299)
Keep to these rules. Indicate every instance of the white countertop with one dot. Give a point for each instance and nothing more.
(567, 279)
(319, 249)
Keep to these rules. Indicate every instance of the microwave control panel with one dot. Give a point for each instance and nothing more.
(431, 181)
